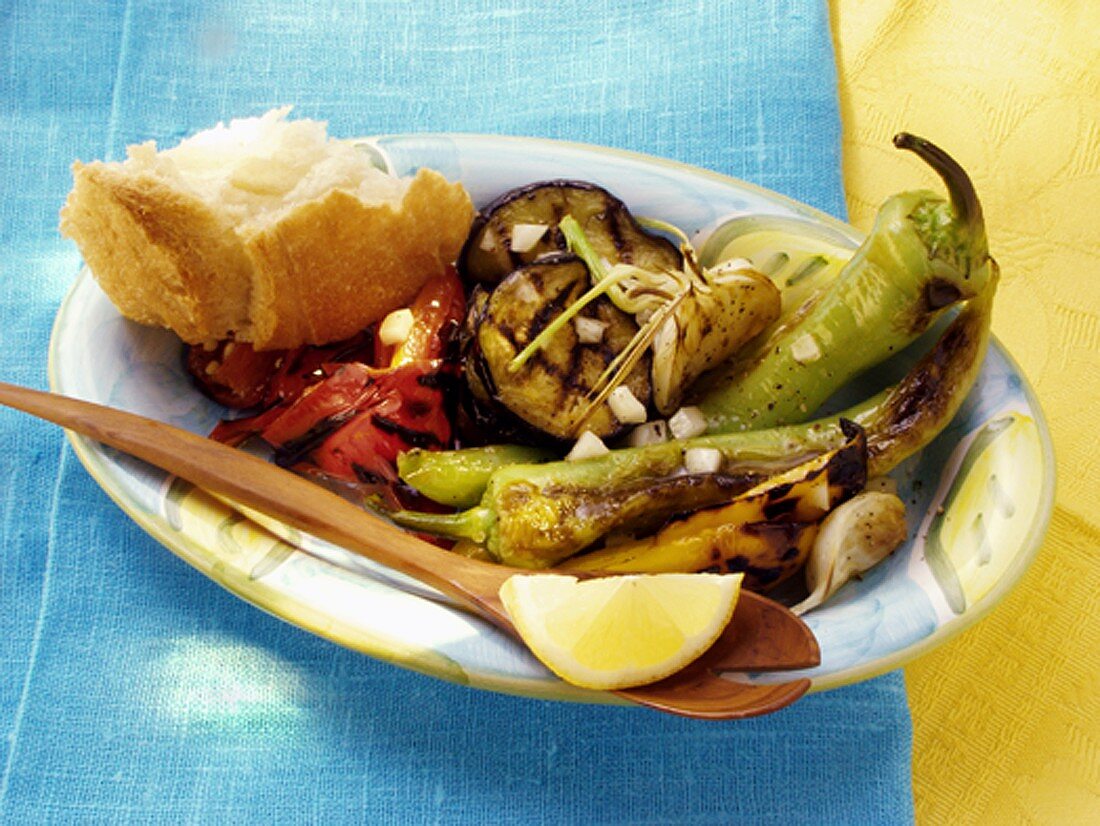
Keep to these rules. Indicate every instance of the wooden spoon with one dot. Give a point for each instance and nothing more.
(762, 636)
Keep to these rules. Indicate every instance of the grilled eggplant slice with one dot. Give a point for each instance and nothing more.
(522, 225)
(550, 391)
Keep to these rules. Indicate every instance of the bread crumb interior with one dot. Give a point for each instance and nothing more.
(256, 170)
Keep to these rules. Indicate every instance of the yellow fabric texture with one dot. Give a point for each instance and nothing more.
(1007, 715)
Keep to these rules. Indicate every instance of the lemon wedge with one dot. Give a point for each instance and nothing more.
(619, 631)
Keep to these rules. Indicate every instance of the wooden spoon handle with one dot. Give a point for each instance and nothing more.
(271, 490)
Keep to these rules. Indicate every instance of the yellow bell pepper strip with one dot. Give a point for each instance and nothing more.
(767, 553)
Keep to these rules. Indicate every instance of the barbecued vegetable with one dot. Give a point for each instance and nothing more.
(460, 481)
(853, 538)
(898, 422)
(536, 515)
(522, 225)
(550, 391)
(233, 373)
(354, 424)
(720, 539)
(690, 319)
(923, 255)
(345, 411)
(767, 553)
(903, 419)
(551, 511)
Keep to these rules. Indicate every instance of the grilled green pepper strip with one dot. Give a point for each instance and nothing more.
(905, 417)
(534, 515)
(460, 478)
(910, 414)
(463, 475)
(923, 255)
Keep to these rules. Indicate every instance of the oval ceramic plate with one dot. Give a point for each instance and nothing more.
(979, 497)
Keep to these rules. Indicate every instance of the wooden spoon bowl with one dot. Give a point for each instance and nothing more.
(762, 636)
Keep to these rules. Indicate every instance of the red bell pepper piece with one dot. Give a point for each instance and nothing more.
(232, 373)
(405, 411)
(305, 366)
(345, 411)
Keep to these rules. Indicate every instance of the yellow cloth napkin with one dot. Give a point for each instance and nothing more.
(1006, 716)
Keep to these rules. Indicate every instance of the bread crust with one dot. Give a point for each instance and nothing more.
(322, 272)
(336, 264)
(161, 255)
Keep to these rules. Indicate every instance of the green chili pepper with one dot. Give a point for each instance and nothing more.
(532, 515)
(923, 255)
(905, 418)
(460, 477)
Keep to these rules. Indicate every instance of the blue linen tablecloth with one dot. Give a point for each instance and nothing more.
(132, 689)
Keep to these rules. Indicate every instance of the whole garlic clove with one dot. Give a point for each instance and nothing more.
(854, 537)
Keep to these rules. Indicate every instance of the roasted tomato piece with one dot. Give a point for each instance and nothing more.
(304, 366)
(383, 413)
(323, 406)
(232, 373)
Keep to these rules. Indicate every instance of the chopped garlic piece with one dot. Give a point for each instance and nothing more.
(818, 494)
(805, 349)
(395, 327)
(650, 433)
(687, 422)
(702, 459)
(525, 236)
(488, 240)
(587, 446)
(589, 330)
(525, 293)
(625, 406)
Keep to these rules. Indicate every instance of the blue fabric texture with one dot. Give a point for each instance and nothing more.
(132, 689)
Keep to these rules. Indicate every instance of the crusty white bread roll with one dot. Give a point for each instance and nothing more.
(265, 231)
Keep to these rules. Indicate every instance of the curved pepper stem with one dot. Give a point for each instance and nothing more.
(964, 198)
(473, 524)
